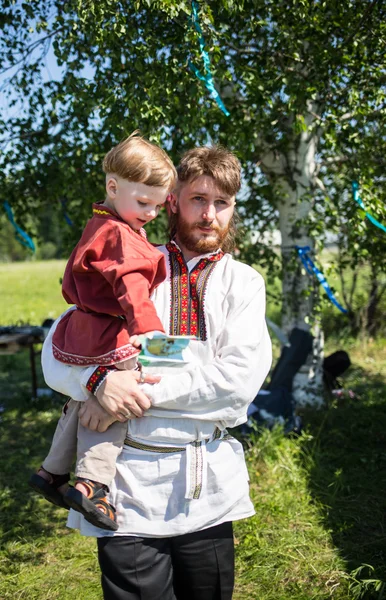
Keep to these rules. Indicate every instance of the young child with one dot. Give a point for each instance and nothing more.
(110, 276)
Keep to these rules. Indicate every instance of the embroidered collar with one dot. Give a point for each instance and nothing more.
(173, 247)
(100, 210)
(188, 291)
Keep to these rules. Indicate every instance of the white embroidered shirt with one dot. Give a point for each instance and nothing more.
(222, 302)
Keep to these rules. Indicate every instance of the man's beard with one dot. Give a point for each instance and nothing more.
(189, 236)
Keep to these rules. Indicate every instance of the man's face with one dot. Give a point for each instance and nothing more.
(203, 214)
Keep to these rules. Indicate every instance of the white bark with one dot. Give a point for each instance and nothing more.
(293, 176)
(308, 382)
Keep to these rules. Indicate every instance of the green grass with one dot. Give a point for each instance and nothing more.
(31, 291)
(320, 498)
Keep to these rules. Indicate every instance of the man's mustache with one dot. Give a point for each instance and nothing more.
(206, 226)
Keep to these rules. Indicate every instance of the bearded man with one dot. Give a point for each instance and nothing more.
(181, 479)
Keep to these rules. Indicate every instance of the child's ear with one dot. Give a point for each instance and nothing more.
(111, 186)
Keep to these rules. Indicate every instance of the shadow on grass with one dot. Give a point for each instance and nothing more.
(26, 430)
(346, 462)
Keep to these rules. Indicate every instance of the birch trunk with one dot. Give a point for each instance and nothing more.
(293, 175)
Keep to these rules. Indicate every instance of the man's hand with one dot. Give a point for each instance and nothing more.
(120, 395)
(94, 417)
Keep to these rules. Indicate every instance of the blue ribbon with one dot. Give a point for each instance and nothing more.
(312, 269)
(66, 217)
(21, 235)
(357, 198)
(207, 78)
(68, 220)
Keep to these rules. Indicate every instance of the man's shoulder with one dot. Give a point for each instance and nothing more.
(241, 270)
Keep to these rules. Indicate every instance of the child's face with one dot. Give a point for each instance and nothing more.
(135, 203)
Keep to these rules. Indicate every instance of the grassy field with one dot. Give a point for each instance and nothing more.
(319, 529)
(31, 291)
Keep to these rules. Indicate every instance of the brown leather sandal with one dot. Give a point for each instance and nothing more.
(49, 488)
(94, 507)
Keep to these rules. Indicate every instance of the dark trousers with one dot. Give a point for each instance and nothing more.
(195, 566)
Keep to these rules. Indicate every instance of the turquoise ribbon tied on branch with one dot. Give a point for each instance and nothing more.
(21, 235)
(312, 269)
(207, 78)
(358, 200)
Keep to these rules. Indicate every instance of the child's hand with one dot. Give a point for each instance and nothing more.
(94, 417)
(134, 341)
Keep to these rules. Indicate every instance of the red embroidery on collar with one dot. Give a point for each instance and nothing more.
(172, 247)
(188, 290)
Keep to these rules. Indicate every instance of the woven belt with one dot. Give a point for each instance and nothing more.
(217, 434)
(195, 459)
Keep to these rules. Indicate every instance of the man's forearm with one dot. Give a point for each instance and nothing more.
(222, 389)
(67, 380)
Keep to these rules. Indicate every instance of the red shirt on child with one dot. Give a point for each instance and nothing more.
(110, 276)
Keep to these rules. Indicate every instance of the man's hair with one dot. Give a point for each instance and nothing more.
(216, 162)
(137, 159)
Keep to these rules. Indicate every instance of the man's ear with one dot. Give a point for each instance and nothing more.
(173, 202)
(111, 186)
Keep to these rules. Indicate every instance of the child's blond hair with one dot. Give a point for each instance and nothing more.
(137, 159)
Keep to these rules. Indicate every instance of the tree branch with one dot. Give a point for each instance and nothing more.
(30, 134)
(382, 291)
(342, 283)
(247, 50)
(353, 287)
(352, 115)
(335, 160)
(30, 49)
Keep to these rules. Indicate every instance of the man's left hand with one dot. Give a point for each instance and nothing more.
(121, 396)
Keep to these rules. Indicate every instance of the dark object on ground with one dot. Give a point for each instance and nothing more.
(47, 323)
(276, 405)
(14, 338)
(292, 357)
(335, 365)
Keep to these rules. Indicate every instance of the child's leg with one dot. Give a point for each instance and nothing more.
(62, 453)
(95, 469)
(98, 452)
(52, 478)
